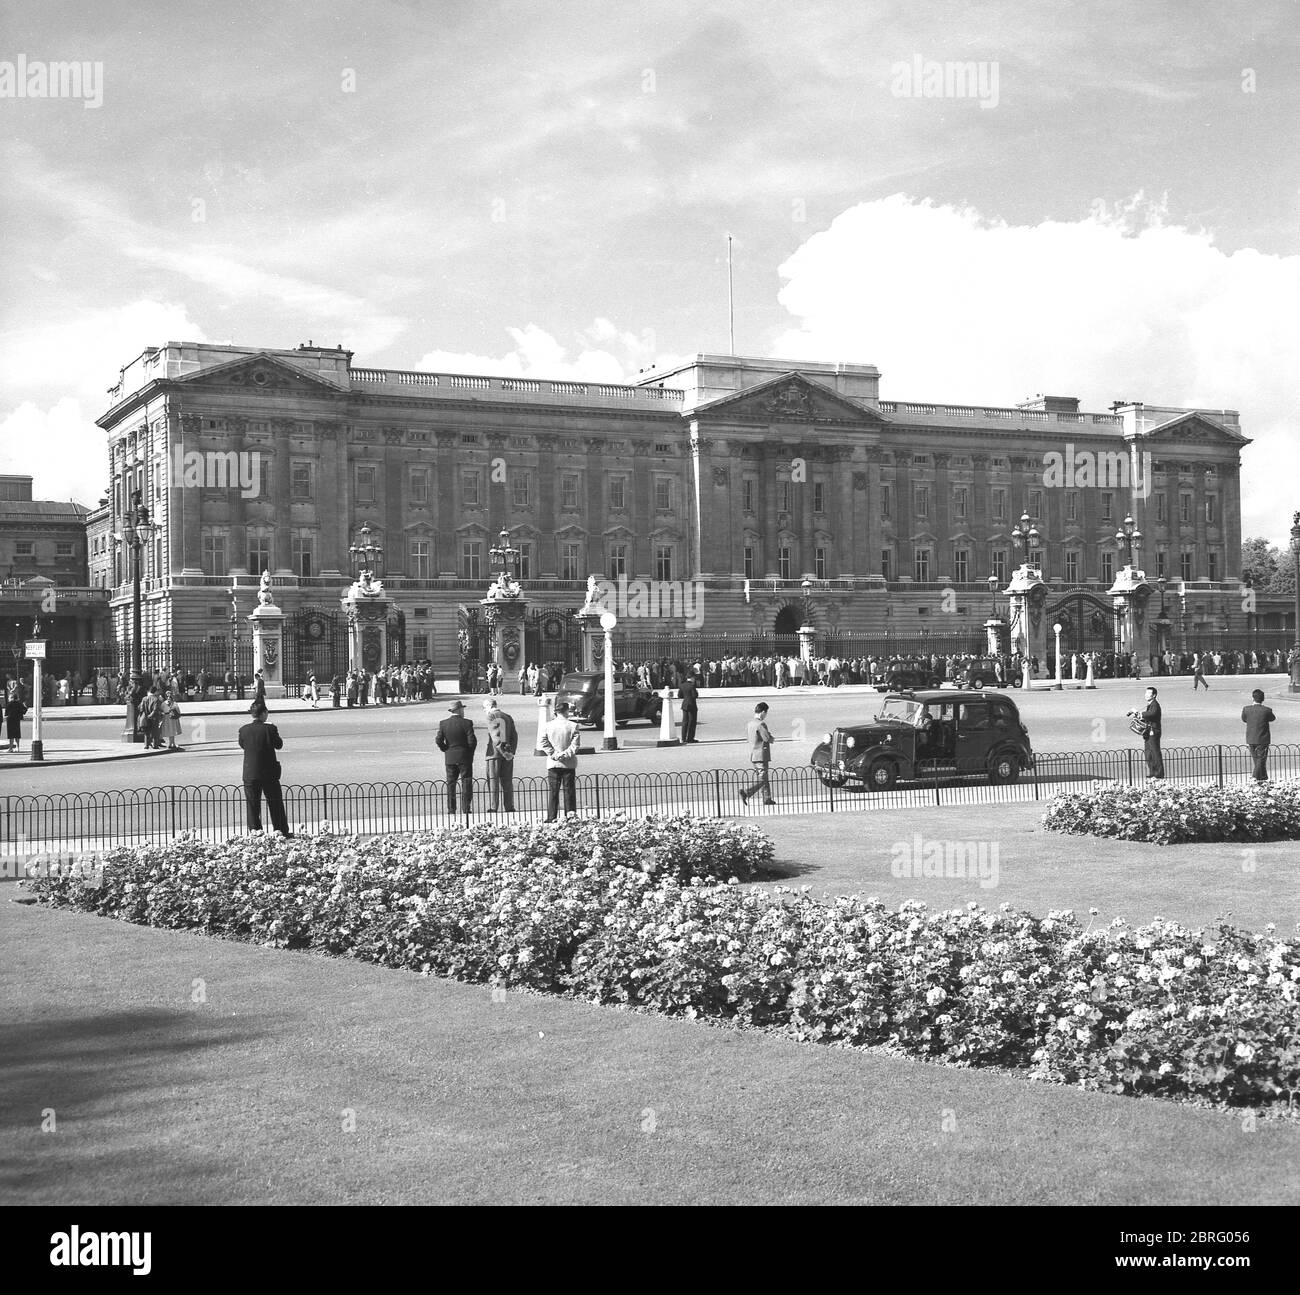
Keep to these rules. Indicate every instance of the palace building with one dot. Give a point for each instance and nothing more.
(783, 489)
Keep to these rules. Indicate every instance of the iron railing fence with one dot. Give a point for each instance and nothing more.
(97, 820)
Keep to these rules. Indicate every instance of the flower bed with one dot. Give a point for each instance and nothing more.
(1159, 1010)
(1168, 814)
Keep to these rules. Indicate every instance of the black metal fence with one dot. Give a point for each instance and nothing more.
(96, 820)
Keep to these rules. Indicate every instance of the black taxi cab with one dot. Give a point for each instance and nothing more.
(584, 691)
(928, 733)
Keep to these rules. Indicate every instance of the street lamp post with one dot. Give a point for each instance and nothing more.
(367, 556)
(607, 622)
(1162, 626)
(137, 532)
(1128, 539)
(1056, 629)
(1294, 685)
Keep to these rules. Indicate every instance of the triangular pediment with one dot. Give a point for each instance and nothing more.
(1189, 428)
(261, 372)
(789, 398)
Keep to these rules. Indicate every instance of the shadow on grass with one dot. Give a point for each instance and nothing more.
(104, 1076)
(784, 869)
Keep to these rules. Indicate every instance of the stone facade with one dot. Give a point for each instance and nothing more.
(748, 476)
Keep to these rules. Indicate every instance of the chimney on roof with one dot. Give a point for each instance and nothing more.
(1052, 404)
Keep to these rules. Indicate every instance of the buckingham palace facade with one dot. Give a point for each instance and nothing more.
(784, 490)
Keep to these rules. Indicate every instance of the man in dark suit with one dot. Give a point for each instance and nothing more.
(503, 742)
(690, 694)
(260, 742)
(456, 740)
(1150, 716)
(759, 737)
(1257, 717)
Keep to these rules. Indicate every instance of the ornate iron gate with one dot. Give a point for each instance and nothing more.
(552, 634)
(1087, 622)
(316, 640)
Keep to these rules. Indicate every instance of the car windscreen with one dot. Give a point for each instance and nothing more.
(577, 683)
(900, 709)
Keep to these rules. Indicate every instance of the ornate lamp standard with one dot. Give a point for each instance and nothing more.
(138, 531)
(1056, 629)
(505, 552)
(1025, 535)
(1027, 589)
(367, 556)
(1162, 628)
(1128, 539)
(806, 631)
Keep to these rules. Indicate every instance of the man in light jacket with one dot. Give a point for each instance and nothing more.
(503, 742)
(759, 737)
(560, 742)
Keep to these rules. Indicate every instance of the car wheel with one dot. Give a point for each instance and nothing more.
(1004, 767)
(978, 681)
(882, 773)
(1016, 682)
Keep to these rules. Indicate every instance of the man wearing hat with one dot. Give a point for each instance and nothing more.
(503, 742)
(456, 740)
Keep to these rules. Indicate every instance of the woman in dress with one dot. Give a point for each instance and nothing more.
(169, 724)
(14, 712)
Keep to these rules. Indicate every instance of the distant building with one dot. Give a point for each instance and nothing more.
(748, 476)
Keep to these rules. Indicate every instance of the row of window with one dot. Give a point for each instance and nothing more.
(522, 487)
(571, 557)
(62, 548)
(998, 499)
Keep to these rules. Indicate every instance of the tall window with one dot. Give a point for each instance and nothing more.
(469, 487)
(617, 565)
(783, 562)
(419, 560)
(1071, 567)
(886, 499)
(1162, 510)
(821, 563)
(1107, 506)
(1212, 564)
(214, 555)
(748, 492)
(1108, 567)
(819, 496)
(783, 496)
(887, 564)
(921, 564)
(365, 484)
(259, 553)
(960, 501)
(570, 560)
(419, 485)
(525, 559)
(1210, 508)
(999, 560)
(1036, 559)
(471, 559)
(663, 561)
(618, 492)
(1161, 558)
(663, 494)
(1185, 507)
(569, 491)
(749, 561)
(300, 480)
(921, 501)
(520, 489)
(420, 646)
(1071, 505)
(1185, 565)
(1035, 503)
(302, 546)
(961, 565)
(999, 503)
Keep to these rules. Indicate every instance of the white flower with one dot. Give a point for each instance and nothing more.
(1244, 1051)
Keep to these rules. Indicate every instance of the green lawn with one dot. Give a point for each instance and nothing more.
(457, 1098)
(1040, 870)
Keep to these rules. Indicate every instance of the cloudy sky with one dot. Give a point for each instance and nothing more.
(1109, 212)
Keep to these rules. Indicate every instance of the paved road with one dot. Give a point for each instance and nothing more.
(396, 743)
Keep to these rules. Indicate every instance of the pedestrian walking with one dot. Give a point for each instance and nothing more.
(690, 698)
(1257, 717)
(169, 722)
(259, 688)
(260, 742)
(15, 709)
(503, 742)
(456, 740)
(560, 743)
(312, 691)
(1149, 718)
(1198, 675)
(759, 737)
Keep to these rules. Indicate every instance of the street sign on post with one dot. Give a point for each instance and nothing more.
(36, 650)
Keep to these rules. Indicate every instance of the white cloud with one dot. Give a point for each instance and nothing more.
(1117, 305)
(604, 354)
(60, 448)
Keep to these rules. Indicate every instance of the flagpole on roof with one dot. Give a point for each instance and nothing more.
(731, 305)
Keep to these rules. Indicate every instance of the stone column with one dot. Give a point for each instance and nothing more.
(267, 623)
(1129, 595)
(366, 606)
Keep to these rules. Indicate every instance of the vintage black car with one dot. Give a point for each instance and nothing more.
(922, 734)
(903, 677)
(585, 694)
(982, 672)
